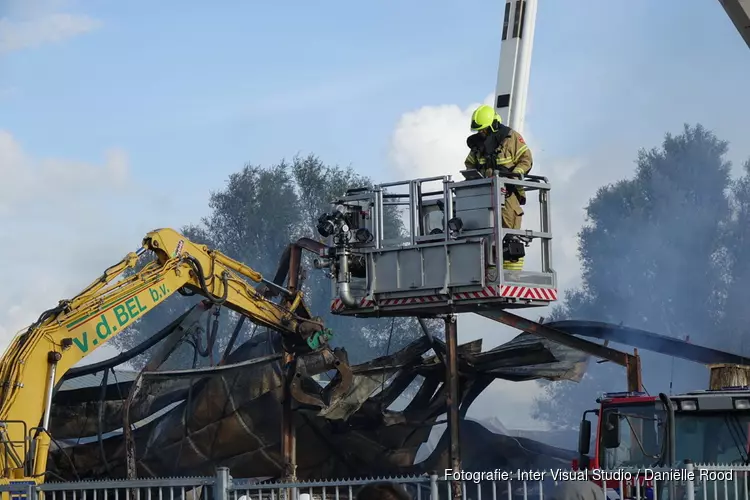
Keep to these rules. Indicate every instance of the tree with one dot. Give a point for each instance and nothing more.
(736, 268)
(252, 220)
(649, 254)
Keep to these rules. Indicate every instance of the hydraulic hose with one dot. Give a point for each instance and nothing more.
(202, 282)
(212, 330)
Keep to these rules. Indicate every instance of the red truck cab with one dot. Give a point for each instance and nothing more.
(633, 431)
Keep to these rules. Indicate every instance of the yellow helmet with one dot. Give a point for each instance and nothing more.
(484, 117)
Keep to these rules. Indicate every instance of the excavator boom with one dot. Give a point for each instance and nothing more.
(37, 358)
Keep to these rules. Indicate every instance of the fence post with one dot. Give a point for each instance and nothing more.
(434, 486)
(222, 483)
(690, 487)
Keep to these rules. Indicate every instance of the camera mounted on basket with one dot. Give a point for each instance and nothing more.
(344, 225)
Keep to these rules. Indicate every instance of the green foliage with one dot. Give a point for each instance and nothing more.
(662, 251)
(253, 219)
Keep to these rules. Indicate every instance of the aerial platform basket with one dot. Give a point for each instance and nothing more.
(434, 246)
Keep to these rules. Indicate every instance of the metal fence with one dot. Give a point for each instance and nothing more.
(687, 482)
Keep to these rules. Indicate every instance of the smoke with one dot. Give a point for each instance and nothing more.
(658, 253)
(432, 140)
(646, 248)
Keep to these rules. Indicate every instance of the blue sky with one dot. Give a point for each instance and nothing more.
(119, 117)
(200, 87)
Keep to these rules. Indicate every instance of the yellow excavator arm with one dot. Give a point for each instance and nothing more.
(38, 357)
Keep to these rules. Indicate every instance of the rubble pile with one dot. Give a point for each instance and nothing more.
(189, 421)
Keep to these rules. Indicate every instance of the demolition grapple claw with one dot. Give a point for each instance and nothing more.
(306, 390)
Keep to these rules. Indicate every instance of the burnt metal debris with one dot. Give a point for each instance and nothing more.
(187, 422)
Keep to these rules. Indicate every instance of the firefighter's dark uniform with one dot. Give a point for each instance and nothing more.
(514, 154)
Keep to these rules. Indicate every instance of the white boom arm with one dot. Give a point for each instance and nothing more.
(515, 62)
(518, 40)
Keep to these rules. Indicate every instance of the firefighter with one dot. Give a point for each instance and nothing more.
(496, 147)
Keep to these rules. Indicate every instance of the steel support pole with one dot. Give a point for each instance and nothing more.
(288, 429)
(451, 388)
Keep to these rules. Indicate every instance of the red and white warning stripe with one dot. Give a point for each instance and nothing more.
(524, 292)
(485, 293)
(517, 292)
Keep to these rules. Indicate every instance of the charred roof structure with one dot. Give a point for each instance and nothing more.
(187, 422)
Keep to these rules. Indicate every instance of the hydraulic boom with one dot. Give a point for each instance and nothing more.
(37, 358)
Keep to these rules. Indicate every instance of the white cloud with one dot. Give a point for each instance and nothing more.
(432, 140)
(63, 222)
(53, 180)
(39, 23)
